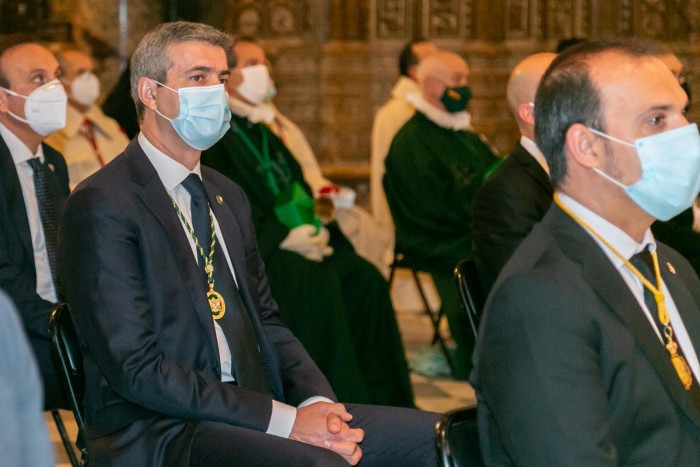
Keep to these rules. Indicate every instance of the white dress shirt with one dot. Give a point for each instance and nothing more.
(627, 247)
(172, 174)
(21, 155)
(81, 157)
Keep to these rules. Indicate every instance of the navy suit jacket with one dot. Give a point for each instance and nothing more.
(152, 364)
(569, 371)
(17, 270)
(507, 206)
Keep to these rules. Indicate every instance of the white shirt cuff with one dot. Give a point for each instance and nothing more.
(282, 419)
(313, 400)
(283, 416)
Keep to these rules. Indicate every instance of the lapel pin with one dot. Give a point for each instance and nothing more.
(671, 269)
(51, 167)
(220, 200)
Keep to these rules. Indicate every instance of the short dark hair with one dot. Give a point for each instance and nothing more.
(567, 42)
(150, 59)
(9, 42)
(407, 58)
(567, 95)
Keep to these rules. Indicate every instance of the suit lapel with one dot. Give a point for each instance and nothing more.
(604, 278)
(156, 199)
(15, 201)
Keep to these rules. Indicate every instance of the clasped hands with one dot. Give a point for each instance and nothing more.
(325, 425)
(309, 241)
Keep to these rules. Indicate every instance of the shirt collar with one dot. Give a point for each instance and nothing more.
(19, 151)
(534, 151)
(255, 113)
(171, 172)
(452, 121)
(612, 234)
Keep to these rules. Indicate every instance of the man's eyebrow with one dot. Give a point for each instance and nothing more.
(225, 73)
(206, 69)
(657, 108)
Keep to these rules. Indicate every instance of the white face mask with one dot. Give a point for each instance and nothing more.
(257, 86)
(44, 108)
(85, 89)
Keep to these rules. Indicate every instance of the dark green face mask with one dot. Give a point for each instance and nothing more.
(456, 99)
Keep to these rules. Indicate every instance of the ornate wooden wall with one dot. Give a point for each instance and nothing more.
(335, 60)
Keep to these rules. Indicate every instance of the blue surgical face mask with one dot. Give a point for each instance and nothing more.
(204, 115)
(670, 164)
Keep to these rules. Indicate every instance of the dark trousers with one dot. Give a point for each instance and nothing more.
(393, 437)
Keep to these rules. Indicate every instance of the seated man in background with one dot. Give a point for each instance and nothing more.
(334, 301)
(390, 118)
(33, 188)
(187, 362)
(433, 170)
(588, 347)
(90, 139)
(368, 237)
(519, 193)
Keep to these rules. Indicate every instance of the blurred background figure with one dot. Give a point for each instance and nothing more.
(434, 167)
(334, 301)
(368, 237)
(391, 117)
(90, 139)
(519, 193)
(24, 438)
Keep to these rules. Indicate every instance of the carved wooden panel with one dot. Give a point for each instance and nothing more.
(268, 18)
(393, 19)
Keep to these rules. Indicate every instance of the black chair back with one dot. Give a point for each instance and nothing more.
(457, 439)
(70, 359)
(470, 292)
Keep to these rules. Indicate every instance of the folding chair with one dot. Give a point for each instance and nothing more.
(67, 350)
(403, 261)
(470, 292)
(457, 439)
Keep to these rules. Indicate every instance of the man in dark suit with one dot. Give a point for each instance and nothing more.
(588, 349)
(519, 193)
(187, 363)
(27, 242)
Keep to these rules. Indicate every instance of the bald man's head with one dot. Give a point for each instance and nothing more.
(522, 87)
(439, 71)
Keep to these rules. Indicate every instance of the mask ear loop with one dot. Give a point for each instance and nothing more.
(616, 140)
(154, 98)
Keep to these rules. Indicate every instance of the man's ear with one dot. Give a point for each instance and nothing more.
(584, 146)
(147, 92)
(526, 113)
(4, 104)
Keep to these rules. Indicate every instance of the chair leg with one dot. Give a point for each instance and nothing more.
(64, 437)
(435, 318)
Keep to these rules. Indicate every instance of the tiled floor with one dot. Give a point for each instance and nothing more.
(435, 394)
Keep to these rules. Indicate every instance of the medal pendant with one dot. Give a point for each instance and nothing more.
(216, 303)
(683, 370)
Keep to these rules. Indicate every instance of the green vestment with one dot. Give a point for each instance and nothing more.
(338, 308)
(432, 176)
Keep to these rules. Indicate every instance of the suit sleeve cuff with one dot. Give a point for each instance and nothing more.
(282, 419)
